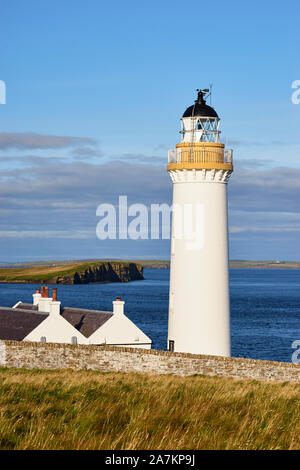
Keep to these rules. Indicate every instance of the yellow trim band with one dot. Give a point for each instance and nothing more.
(200, 144)
(199, 166)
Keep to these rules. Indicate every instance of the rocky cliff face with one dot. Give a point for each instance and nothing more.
(105, 272)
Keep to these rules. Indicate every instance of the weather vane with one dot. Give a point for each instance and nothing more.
(202, 93)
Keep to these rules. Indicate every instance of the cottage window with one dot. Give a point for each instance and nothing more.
(171, 345)
(74, 340)
(43, 339)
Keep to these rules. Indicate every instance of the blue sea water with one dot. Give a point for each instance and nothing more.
(265, 307)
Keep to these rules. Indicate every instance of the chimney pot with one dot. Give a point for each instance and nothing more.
(36, 297)
(54, 293)
(118, 305)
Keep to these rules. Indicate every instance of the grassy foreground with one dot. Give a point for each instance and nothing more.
(93, 410)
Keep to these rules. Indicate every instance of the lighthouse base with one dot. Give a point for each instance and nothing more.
(199, 311)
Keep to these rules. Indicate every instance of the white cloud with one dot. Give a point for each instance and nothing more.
(79, 234)
(31, 140)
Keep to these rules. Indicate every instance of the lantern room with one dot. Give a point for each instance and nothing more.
(200, 122)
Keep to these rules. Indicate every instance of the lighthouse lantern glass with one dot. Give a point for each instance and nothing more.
(200, 129)
(209, 128)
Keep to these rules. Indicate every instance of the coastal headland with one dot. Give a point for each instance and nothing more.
(73, 272)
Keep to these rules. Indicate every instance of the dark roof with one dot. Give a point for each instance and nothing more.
(17, 323)
(200, 110)
(85, 321)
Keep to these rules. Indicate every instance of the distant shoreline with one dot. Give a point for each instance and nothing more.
(153, 264)
(233, 264)
(264, 267)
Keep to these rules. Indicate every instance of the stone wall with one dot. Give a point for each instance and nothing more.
(106, 358)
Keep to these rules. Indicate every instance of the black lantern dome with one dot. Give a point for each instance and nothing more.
(200, 108)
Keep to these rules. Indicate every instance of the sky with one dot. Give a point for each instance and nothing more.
(94, 95)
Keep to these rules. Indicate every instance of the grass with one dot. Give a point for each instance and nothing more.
(93, 410)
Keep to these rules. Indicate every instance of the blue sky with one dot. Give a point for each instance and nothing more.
(95, 92)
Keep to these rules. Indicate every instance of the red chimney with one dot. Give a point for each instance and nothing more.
(118, 298)
(38, 291)
(54, 293)
(45, 291)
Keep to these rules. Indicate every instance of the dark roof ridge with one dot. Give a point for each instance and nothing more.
(24, 303)
(13, 309)
(75, 309)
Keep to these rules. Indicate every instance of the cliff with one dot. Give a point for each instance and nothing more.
(106, 272)
(76, 273)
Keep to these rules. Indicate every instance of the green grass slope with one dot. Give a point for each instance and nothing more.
(94, 410)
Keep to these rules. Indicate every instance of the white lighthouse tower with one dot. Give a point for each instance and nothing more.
(199, 307)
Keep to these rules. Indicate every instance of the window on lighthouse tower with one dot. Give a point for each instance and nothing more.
(182, 130)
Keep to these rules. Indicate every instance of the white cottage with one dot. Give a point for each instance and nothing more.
(46, 320)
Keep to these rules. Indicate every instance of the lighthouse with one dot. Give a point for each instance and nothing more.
(200, 167)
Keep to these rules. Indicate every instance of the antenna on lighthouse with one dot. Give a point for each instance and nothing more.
(208, 92)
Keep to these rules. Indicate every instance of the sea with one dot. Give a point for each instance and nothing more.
(265, 307)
